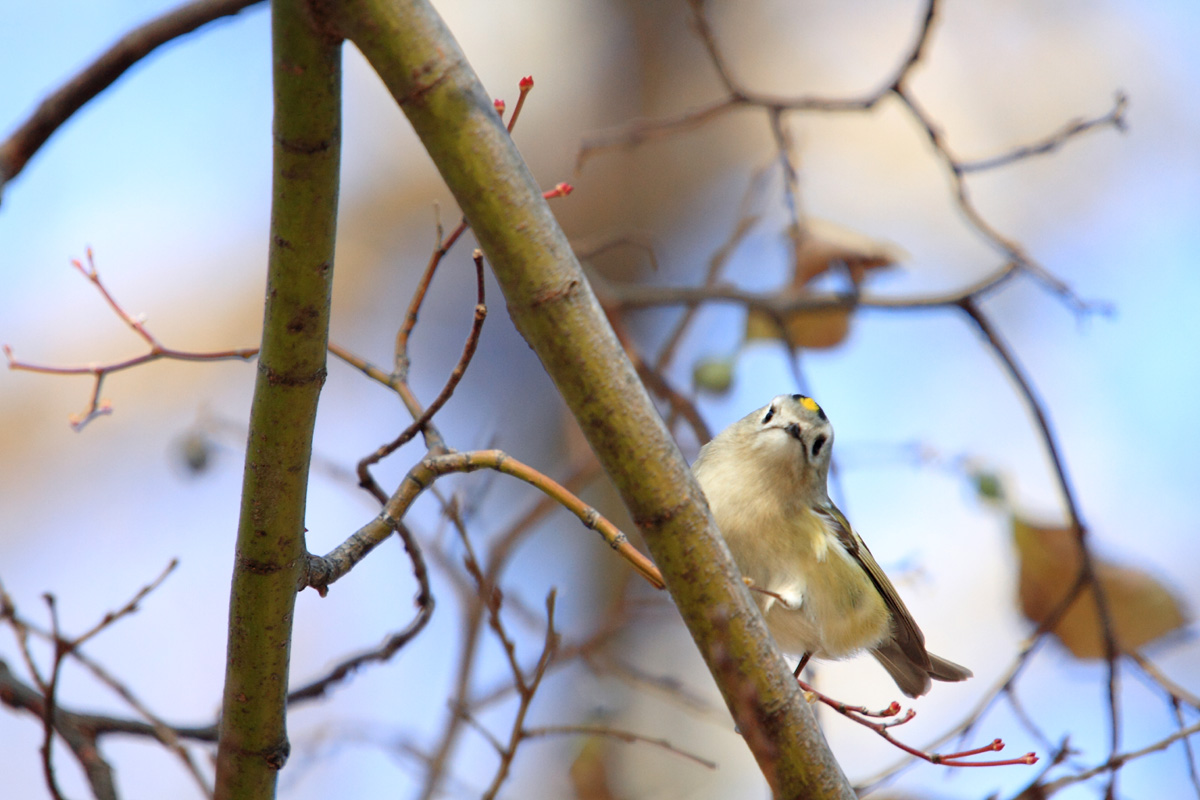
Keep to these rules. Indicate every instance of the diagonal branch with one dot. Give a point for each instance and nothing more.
(552, 306)
(324, 570)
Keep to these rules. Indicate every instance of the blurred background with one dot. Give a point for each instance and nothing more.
(167, 177)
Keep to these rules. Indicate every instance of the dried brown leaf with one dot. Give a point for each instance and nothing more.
(1141, 608)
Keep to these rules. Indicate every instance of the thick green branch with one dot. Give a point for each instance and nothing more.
(270, 563)
(553, 306)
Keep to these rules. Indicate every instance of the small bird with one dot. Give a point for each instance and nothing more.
(822, 593)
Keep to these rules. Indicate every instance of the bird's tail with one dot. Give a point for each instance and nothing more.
(914, 678)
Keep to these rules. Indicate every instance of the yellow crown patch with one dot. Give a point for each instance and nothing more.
(810, 404)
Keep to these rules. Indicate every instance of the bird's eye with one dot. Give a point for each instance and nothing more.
(770, 414)
(817, 444)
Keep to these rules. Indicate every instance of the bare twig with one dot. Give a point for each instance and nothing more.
(56, 109)
(491, 596)
(524, 87)
(527, 687)
(999, 689)
(613, 733)
(1087, 567)
(47, 749)
(424, 602)
(680, 405)
(498, 557)
(1004, 244)
(364, 475)
(1172, 688)
(738, 96)
(433, 438)
(414, 307)
(780, 305)
(1117, 761)
(96, 406)
(1114, 118)
(130, 607)
(82, 731)
(1176, 706)
(154, 726)
(890, 717)
(74, 729)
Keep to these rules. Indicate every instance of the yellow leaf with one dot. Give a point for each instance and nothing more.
(589, 772)
(811, 329)
(1141, 609)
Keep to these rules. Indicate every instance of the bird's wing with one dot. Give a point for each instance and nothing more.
(907, 635)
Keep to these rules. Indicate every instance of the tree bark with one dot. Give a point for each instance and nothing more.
(271, 554)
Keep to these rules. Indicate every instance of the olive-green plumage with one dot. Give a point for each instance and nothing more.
(823, 593)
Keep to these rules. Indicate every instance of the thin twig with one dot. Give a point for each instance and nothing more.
(527, 688)
(498, 557)
(424, 601)
(489, 592)
(614, 733)
(97, 407)
(56, 109)
(738, 96)
(167, 735)
(75, 729)
(1087, 564)
(704, 30)
(1172, 688)
(1115, 762)
(680, 405)
(47, 749)
(524, 87)
(890, 717)
(433, 438)
(1114, 118)
(130, 607)
(786, 303)
(402, 359)
(364, 475)
(896, 86)
(1189, 753)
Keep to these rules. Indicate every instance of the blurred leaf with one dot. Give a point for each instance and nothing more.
(816, 248)
(810, 329)
(989, 486)
(821, 244)
(1141, 608)
(713, 375)
(589, 770)
(194, 451)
